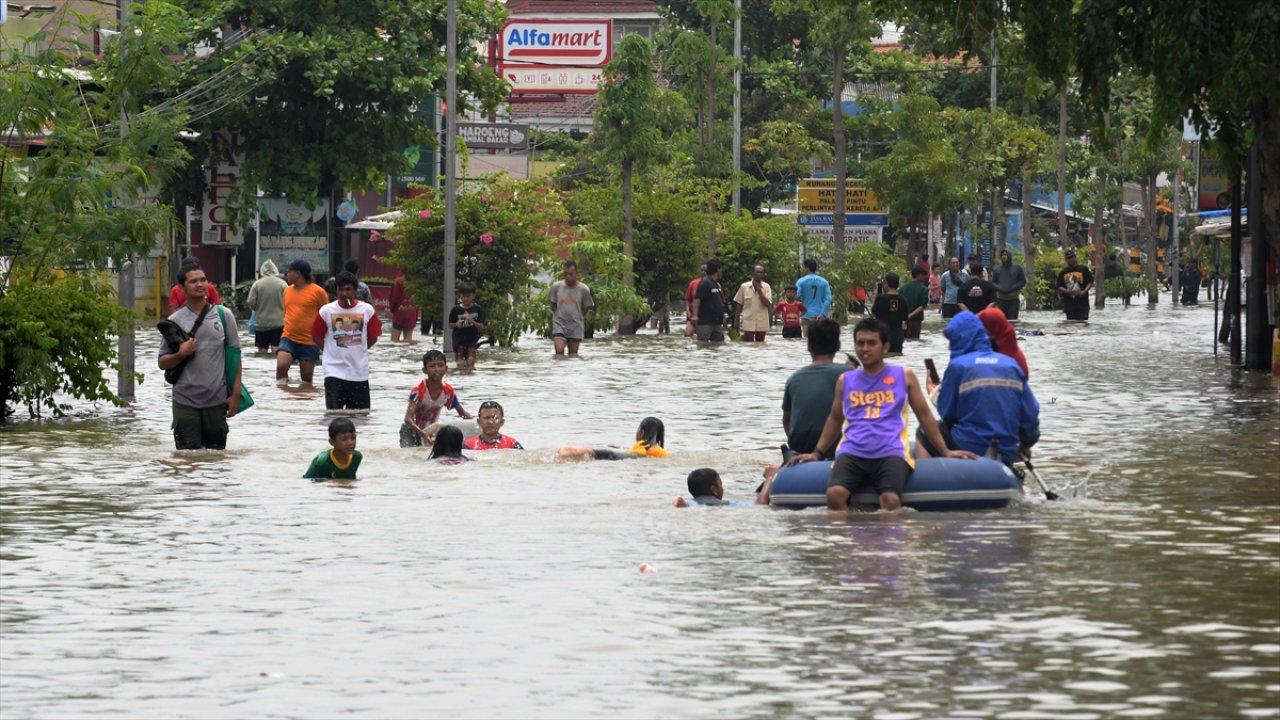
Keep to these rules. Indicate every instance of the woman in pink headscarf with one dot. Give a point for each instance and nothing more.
(1004, 339)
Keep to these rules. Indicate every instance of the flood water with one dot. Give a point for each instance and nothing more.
(143, 582)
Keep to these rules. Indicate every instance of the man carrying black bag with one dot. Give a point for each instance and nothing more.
(196, 367)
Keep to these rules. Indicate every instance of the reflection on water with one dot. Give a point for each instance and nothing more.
(139, 581)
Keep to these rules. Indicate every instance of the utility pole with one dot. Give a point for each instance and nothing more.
(450, 173)
(1176, 284)
(997, 194)
(737, 107)
(125, 272)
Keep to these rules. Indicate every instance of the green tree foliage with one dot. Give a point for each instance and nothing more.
(921, 173)
(770, 241)
(627, 119)
(503, 231)
(341, 83)
(84, 200)
(782, 151)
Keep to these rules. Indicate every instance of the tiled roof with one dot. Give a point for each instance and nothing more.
(616, 7)
(583, 106)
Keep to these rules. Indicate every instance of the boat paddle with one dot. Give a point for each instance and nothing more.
(1048, 494)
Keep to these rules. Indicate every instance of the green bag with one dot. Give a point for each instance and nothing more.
(231, 360)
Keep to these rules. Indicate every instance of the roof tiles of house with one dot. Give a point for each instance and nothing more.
(583, 106)
(614, 7)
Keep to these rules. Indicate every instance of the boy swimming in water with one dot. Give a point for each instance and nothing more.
(650, 442)
(707, 489)
(341, 461)
(871, 403)
(490, 418)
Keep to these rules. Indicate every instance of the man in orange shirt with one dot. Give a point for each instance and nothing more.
(302, 302)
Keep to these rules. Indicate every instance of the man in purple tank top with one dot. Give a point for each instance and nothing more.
(871, 402)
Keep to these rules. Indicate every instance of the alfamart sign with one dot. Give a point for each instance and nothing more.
(554, 56)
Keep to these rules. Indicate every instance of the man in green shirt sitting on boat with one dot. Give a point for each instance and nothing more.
(341, 461)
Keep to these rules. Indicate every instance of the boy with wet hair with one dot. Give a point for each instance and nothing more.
(427, 399)
(707, 489)
(490, 417)
(871, 403)
(341, 461)
(890, 308)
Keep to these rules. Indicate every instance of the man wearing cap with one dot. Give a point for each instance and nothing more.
(1074, 283)
(302, 302)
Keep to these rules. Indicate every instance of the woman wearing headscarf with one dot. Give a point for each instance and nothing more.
(1004, 339)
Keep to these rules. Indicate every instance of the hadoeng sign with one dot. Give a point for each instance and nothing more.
(554, 56)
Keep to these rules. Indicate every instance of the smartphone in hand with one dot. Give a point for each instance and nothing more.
(933, 371)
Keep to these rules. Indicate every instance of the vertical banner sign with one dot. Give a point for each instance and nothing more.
(422, 158)
(554, 56)
(222, 180)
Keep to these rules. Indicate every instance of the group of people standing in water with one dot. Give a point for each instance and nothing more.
(853, 415)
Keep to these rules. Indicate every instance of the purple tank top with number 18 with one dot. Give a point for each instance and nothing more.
(875, 414)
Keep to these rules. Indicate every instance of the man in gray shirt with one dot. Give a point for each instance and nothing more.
(1009, 279)
(570, 302)
(806, 401)
(201, 401)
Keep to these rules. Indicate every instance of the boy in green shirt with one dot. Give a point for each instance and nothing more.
(916, 293)
(342, 460)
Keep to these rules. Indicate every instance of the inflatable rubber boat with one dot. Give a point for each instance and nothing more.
(936, 484)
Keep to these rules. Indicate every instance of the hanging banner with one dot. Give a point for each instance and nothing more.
(221, 179)
(294, 232)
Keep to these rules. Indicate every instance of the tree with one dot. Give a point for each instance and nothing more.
(782, 150)
(323, 99)
(504, 230)
(71, 210)
(627, 120)
(921, 173)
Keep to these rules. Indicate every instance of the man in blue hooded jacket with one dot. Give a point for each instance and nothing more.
(984, 396)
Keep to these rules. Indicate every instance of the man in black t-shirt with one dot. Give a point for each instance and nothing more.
(468, 321)
(977, 293)
(890, 308)
(1074, 283)
(708, 305)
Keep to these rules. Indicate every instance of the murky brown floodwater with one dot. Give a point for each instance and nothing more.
(137, 581)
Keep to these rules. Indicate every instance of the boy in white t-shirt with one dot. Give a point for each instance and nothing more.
(346, 328)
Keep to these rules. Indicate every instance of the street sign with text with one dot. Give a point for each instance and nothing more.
(491, 136)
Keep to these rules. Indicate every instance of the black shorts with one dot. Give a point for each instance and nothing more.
(884, 474)
(606, 454)
(268, 338)
(949, 310)
(1010, 307)
(793, 332)
(342, 394)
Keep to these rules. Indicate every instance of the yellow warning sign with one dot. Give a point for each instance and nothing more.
(819, 195)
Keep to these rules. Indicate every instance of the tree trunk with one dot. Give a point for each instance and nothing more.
(1264, 229)
(837, 129)
(627, 323)
(1149, 217)
(711, 129)
(1028, 242)
(1100, 232)
(1063, 236)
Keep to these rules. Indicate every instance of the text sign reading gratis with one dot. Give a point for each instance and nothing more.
(576, 43)
(818, 195)
(500, 136)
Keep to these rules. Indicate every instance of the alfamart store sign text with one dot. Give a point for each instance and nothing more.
(554, 56)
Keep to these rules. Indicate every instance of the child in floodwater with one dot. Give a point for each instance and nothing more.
(427, 399)
(490, 418)
(341, 461)
(707, 489)
(447, 449)
(650, 442)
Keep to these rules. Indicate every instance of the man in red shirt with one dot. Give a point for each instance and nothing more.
(688, 298)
